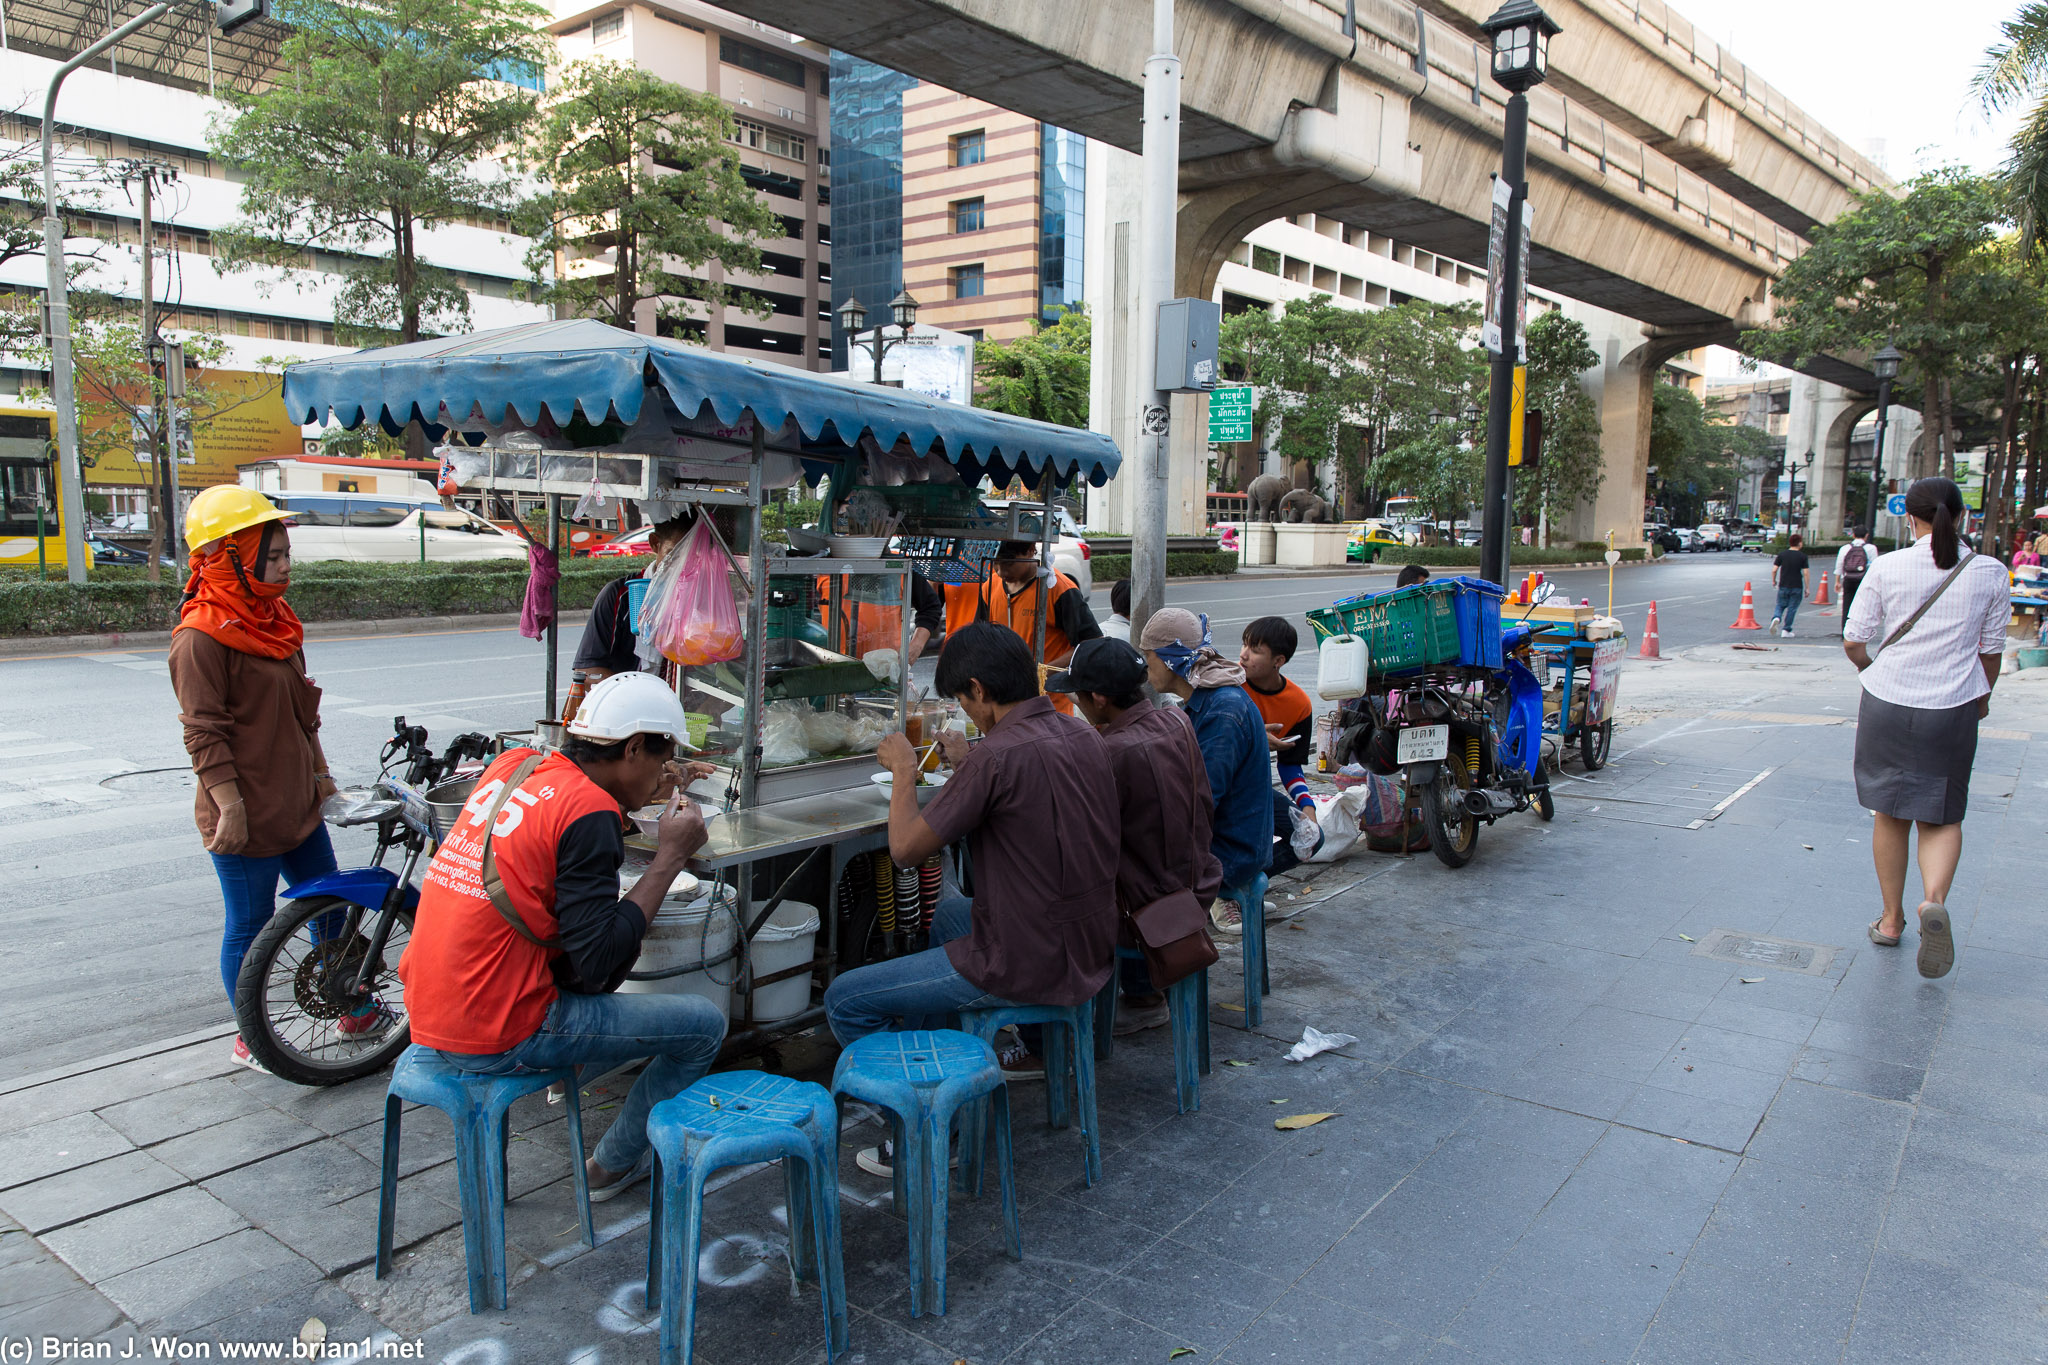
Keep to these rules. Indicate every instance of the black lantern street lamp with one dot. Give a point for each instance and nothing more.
(1885, 365)
(853, 317)
(1521, 34)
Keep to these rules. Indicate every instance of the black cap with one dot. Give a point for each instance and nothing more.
(1111, 667)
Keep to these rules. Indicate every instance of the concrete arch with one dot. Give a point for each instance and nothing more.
(1830, 507)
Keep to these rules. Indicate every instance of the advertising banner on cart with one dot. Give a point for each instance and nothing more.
(249, 424)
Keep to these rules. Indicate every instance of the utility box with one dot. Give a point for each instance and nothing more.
(1188, 333)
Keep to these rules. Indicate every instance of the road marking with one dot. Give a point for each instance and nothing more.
(18, 751)
(430, 663)
(1732, 798)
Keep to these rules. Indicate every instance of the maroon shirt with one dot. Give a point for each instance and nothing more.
(1036, 802)
(1162, 788)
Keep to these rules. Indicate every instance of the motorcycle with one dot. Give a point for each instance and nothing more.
(318, 1000)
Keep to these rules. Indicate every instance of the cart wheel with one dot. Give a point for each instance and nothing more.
(1453, 830)
(1546, 809)
(1594, 741)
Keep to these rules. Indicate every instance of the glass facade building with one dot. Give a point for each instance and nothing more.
(1062, 219)
(867, 188)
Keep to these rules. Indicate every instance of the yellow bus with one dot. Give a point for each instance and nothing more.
(31, 507)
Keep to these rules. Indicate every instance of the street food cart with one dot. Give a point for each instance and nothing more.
(576, 408)
(1577, 657)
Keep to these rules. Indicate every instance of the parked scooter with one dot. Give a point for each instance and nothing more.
(319, 1000)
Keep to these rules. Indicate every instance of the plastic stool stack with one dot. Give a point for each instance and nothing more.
(1069, 1067)
(730, 1119)
(475, 1104)
(924, 1080)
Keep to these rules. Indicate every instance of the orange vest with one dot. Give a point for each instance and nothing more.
(992, 601)
(870, 625)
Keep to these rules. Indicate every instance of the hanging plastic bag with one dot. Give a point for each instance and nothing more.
(661, 586)
(701, 622)
(593, 504)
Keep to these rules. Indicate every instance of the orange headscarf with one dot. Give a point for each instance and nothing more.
(225, 598)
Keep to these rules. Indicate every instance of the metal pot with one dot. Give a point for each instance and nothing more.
(447, 800)
(551, 733)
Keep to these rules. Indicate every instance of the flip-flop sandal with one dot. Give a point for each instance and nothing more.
(1937, 944)
(1879, 937)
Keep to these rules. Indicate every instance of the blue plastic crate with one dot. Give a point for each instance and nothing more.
(1476, 605)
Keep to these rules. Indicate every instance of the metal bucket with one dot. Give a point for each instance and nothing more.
(446, 799)
(550, 732)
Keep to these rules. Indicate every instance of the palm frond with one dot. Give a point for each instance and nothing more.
(2017, 66)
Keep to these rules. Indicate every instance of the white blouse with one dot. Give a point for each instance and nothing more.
(1935, 667)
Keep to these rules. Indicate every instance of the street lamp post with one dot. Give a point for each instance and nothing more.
(853, 317)
(1885, 365)
(1521, 34)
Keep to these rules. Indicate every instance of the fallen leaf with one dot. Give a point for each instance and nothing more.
(314, 1332)
(1688, 1068)
(1280, 1101)
(1688, 938)
(1752, 980)
(1236, 1008)
(1177, 1352)
(1234, 1062)
(1293, 1121)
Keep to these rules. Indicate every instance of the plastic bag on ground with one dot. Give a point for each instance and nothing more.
(700, 624)
(1314, 1040)
(1338, 817)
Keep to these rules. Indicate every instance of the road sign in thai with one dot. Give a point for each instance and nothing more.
(1230, 414)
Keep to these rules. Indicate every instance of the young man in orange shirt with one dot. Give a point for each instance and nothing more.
(1268, 644)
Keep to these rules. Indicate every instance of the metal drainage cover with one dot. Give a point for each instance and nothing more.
(1758, 950)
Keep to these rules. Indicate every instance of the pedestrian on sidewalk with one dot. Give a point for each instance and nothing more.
(252, 722)
(1788, 571)
(1941, 612)
(521, 935)
(1852, 565)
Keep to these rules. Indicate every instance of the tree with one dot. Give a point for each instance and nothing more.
(646, 173)
(386, 119)
(2015, 71)
(1442, 468)
(1698, 456)
(21, 237)
(1043, 375)
(1911, 269)
(1569, 471)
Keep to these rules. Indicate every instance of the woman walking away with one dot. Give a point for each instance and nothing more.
(1940, 612)
(252, 722)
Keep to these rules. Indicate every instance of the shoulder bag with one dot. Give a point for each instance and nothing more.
(1932, 598)
(1173, 931)
(494, 887)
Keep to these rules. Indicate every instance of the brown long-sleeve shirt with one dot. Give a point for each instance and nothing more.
(252, 720)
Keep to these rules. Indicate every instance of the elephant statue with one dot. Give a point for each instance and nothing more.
(1266, 493)
(1301, 505)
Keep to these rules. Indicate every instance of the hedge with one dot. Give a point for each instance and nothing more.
(1108, 569)
(1518, 556)
(357, 592)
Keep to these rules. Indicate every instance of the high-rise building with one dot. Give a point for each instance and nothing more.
(977, 211)
(779, 89)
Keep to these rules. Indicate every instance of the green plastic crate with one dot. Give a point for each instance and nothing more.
(1406, 628)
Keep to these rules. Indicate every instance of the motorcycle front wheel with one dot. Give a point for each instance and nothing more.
(1453, 830)
(293, 1001)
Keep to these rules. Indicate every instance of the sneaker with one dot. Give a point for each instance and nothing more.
(1019, 1064)
(241, 1056)
(1777, 623)
(1226, 918)
(1135, 1018)
(619, 1184)
(881, 1160)
(1788, 632)
(373, 1017)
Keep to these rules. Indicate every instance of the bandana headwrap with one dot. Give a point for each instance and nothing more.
(1168, 634)
(225, 598)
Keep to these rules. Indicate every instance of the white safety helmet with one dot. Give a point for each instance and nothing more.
(628, 704)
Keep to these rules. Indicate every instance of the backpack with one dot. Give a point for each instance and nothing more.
(1855, 562)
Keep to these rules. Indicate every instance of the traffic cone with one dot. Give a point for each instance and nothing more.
(1746, 618)
(1820, 594)
(1649, 649)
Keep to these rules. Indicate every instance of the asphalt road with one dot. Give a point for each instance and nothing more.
(109, 936)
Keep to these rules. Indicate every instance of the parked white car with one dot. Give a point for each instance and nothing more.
(370, 526)
(1070, 552)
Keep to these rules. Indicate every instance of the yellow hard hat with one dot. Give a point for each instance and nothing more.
(224, 509)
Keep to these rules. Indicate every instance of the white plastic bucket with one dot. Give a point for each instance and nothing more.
(1341, 666)
(786, 940)
(690, 931)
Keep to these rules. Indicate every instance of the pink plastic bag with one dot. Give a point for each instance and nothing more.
(700, 622)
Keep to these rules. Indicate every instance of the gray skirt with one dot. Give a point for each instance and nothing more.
(1914, 764)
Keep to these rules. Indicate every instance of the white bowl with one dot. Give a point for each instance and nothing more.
(886, 779)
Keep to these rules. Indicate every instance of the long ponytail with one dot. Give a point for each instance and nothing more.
(1939, 503)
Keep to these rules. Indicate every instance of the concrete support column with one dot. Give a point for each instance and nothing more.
(1625, 403)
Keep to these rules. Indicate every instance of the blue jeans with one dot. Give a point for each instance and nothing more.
(1788, 605)
(921, 989)
(681, 1033)
(249, 886)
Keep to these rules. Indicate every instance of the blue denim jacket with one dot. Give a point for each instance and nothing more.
(1234, 749)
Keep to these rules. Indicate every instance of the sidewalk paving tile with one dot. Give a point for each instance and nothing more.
(79, 1194)
(182, 1109)
(1916, 1312)
(1833, 1132)
(1202, 1299)
(238, 1142)
(1718, 1314)
(60, 1145)
(1306, 1327)
(103, 1247)
(209, 1281)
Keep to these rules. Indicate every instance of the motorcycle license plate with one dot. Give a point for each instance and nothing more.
(1423, 743)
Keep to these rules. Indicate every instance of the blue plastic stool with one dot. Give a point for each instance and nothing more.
(1069, 1063)
(475, 1104)
(731, 1119)
(1251, 902)
(925, 1080)
(1187, 1006)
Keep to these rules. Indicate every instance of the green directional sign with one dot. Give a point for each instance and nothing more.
(1230, 415)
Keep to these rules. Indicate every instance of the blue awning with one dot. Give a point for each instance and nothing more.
(519, 374)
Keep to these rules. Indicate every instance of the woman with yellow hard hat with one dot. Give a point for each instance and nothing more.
(252, 720)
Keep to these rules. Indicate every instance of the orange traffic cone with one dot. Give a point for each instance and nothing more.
(1649, 649)
(1746, 618)
(1820, 594)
